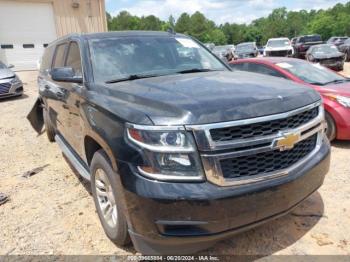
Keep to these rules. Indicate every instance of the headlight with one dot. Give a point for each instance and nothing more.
(169, 153)
(343, 100)
(15, 80)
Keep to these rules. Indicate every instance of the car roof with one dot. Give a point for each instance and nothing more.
(116, 34)
(280, 38)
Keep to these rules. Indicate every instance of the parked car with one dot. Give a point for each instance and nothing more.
(327, 55)
(278, 47)
(334, 88)
(303, 43)
(224, 52)
(210, 46)
(245, 50)
(180, 152)
(10, 84)
(345, 49)
(337, 40)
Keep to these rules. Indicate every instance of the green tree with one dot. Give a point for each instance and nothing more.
(183, 24)
(216, 36)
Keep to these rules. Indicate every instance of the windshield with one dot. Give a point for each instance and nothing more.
(310, 38)
(324, 49)
(220, 48)
(116, 58)
(311, 73)
(278, 43)
(245, 47)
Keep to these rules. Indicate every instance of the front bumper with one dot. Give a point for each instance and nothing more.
(341, 115)
(279, 53)
(16, 89)
(332, 64)
(182, 218)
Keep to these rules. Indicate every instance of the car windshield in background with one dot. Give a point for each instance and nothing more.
(312, 38)
(135, 57)
(311, 73)
(278, 43)
(324, 49)
(245, 47)
(220, 49)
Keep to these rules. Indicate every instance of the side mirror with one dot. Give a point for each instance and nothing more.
(10, 66)
(65, 74)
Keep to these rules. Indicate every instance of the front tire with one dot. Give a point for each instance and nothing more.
(104, 191)
(331, 130)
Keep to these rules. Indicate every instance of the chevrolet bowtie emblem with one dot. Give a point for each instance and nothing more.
(288, 141)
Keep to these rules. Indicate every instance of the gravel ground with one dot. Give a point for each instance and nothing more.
(52, 212)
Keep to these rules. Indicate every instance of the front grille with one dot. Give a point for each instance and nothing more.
(267, 162)
(331, 60)
(262, 128)
(279, 53)
(4, 88)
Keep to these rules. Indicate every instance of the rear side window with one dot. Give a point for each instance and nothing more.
(59, 56)
(73, 58)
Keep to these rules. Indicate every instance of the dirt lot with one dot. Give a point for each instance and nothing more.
(52, 212)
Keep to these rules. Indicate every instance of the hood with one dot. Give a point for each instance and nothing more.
(327, 56)
(201, 98)
(279, 48)
(339, 89)
(6, 73)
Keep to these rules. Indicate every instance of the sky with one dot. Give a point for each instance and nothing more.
(220, 11)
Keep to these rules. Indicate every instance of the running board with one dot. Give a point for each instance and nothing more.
(72, 158)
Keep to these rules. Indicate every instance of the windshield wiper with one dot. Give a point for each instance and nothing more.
(195, 70)
(335, 81)
(130, 77)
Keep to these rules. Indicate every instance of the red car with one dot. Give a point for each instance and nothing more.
(334, 88)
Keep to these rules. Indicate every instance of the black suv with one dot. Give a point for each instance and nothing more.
(180, 151)
(303, 43)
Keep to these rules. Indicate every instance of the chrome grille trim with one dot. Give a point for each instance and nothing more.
(205, 142)
(211, 157)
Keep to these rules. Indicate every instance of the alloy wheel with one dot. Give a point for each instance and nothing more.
(105, 198)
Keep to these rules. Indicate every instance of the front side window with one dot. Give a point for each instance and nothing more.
(311, 73)
(116, 58)
(59, 56)
(73, 58)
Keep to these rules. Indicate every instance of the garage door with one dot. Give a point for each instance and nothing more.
(25, 30)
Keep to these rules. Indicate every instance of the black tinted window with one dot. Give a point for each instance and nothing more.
(59, 56)
(312, 38)
(73, 58)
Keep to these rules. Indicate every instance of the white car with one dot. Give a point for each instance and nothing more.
(279, 47)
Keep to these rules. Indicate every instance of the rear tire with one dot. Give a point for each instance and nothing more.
(50, 131)
(331, 130)
(104, 191)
